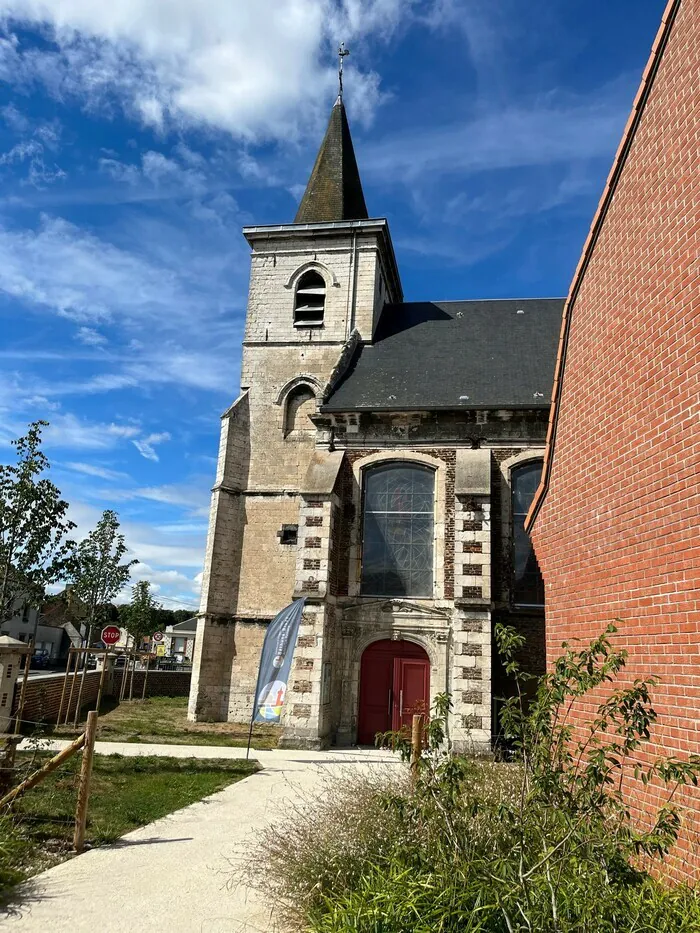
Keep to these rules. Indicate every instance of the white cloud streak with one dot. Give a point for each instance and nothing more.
(146, 445)
(256, 70)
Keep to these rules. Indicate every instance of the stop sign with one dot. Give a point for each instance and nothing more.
(110, 635)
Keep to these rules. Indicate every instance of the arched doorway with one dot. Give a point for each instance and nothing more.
(394, 684)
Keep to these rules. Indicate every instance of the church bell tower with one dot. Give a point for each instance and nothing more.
(317, 288)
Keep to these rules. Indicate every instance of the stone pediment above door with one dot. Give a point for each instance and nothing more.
(395, 608)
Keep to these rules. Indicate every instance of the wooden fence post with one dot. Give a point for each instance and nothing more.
(84, 786)
(46, 769)
(416, 747)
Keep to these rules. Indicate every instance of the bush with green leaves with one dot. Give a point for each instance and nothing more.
(545, 843)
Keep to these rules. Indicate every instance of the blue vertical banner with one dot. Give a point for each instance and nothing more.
(276, 663)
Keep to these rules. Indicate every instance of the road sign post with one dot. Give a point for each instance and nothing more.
(110, 635)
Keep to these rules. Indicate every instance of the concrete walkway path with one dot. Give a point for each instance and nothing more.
(171, 876)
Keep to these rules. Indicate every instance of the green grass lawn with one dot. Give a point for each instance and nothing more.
(125, 793)
(163, 720)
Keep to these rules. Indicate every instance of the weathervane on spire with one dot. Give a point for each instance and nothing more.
(342, 52)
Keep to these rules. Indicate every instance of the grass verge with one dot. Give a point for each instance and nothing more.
(163, 721)
(126, 793)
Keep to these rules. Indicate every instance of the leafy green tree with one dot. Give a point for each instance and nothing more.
(182, 615)
(34, 549)
(98, 570)
(140, 616)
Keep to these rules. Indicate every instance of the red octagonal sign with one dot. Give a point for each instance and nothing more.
(110, 635)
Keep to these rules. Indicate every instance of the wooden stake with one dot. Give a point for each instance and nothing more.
(131, 682)
(39, 775)
(86, 654)
(84, 785)
(125, 671)
(76, 655)
(145, 677)
(416, 747)
(65, 684)
(102, 681)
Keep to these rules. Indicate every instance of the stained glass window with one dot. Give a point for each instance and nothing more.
(528, 586)
(397, 555)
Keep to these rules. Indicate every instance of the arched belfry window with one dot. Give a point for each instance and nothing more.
(398, 537)
(310, 300)
(528, 586)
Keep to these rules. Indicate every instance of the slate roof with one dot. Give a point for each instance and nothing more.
(334, 191)
(455, 354)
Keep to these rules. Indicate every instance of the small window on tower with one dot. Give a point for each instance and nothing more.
(310, 300)
(288, 534)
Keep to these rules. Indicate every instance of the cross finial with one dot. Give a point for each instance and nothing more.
(342, 52)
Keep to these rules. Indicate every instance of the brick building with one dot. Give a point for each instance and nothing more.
(615, 522)
(380, 461)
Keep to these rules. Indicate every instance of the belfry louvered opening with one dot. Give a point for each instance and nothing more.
(310, 300)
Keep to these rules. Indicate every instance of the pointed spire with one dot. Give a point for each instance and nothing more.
(334, 191)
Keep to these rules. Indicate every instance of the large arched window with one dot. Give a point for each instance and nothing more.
(528, 586)
(310, 300)
(397, 547)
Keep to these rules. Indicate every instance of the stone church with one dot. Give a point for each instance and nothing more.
(379, 460)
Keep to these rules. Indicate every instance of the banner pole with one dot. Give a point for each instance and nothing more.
(250, 731)
(275, 662)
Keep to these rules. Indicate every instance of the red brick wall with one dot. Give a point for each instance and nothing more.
(159, 683)
(617, 534)
(43, 696)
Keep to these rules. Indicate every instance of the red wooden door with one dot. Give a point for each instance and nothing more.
(394, 679)
(411, 686)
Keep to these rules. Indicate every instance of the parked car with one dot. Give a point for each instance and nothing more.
(40, 659)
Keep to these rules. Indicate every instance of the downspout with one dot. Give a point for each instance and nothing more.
(352, 288)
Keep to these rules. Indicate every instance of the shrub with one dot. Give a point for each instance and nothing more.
(545, 844)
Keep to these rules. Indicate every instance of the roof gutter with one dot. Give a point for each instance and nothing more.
(635, 118)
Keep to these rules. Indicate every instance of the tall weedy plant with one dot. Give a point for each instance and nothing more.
(574, 778)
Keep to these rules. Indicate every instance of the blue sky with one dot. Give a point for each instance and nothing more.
(138, 136)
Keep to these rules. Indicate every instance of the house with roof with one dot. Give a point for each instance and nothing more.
(615, 521)
(179, 639)
(379, 461)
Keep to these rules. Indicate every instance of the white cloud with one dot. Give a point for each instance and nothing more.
(556, 129)
(33, 147)
(146, 445)
(68, 431)
(193, 497)
(94, 469)
(90, 337)
(161, 173)
(82, 277)
(257, 70)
